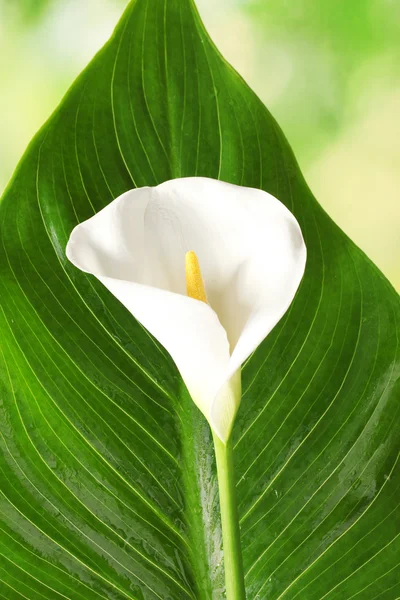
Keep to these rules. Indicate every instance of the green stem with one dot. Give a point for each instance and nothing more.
(234, 576)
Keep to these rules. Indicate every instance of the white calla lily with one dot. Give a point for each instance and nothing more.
(252, 258)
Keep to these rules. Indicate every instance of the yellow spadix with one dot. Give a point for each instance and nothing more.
(194, 281)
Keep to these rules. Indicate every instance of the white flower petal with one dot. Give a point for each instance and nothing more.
(252, 258)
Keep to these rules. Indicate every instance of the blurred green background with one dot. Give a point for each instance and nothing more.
(329, 71)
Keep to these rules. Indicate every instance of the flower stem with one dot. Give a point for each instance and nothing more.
(234, 576)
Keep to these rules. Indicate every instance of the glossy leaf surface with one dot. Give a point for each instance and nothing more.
(107, 480)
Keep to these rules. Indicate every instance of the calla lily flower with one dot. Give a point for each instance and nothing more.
(209, 268)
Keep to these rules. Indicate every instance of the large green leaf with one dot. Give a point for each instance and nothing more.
(108, 486)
